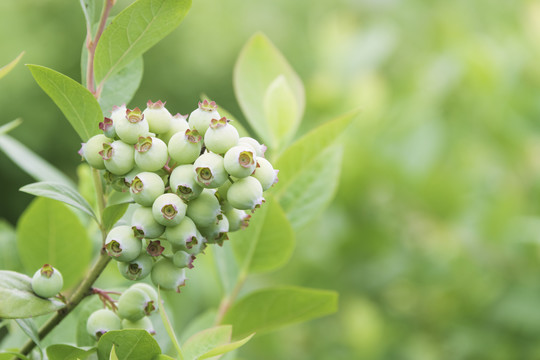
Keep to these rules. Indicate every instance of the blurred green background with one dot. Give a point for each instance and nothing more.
(432, 240)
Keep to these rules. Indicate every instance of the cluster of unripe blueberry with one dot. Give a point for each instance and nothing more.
(193, 180)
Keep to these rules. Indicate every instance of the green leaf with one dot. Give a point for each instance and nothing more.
(121, 87)
(9, 257)
(222, 349)
(4, 129)
(259, 74)
(112, 214)
(267, 243)
(61, 192)
(92, 11)
(7, 68)
(77, 104)
(113, 355)
(17, 300)
(206, 340)
(19, 355)
(50, 233)
(268, 309)
(163, 357)
(29, 327)
(31, 163)
(129, 345)
(68, 352)
(135, 30)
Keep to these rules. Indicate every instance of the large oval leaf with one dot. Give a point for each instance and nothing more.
(17, 300)
(128, 345)
(68, 352)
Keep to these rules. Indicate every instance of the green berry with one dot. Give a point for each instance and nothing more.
(146, 187)
(168, 209)
(209, 170)
(132, 126)
(185, 147)
(200, 118)
(245, 193)
(47, 281)
(134, 304)
(198, 246)
(239, 161)
(204, 210)
(259, 149)
(107, 126)
(167, 276)
(151, 153)
(144, 224)
(136, 269)
(118, 157)
(143, 323)
(91, 151)
(148, 289)
(220, 136)
(183, 235)
(265, 173)
(101, 321)
(182, 182)
(216, 232)
(154, 248)
(122, 245)
(178, 125)
(182, 259)
(158, 117)
(238, 219)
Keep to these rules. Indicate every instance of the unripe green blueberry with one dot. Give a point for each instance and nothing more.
(182, 259)
(151, 153)
(238, 219)
(136, 269)
(146, 187)
(200, 118)
(209, 170)
(198, 247)
(122, 245)
(158, 117)
(245, 193)
(155, 248)
(101, 321)
(183, 235)
(265, 173)
(185, 147)
(90, 151)
(107, 126)
(259, 149)
(148, 289)
(168, 276)
(143, 323)
(220, 136)
(169, 209)
(204, 210)
(118, 157)
(47, 281)
(178, 125)
(221, 192)
(132, 126)
(144, 225)
(134, 304)
(182, 182)
(216, 233)
(239, 161)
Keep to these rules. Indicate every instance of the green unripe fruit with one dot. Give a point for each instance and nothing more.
(182, 259)
(221, 192)
(136, 269)
(182, 182)
(183, 235)
(132, 126)
(198, 246)
(148, 289)
(238, 219)
(216, 233)
(47, 281)
(118, 157)
(209, 170)
(134, 304)
(122, 245)
(200, 118)
(178, 125)
(143, 324)
(259, 149)
(220, 136)
(239, 161)
(158, 117)
(146, 187)
(151, 153)
(101, 321)
(185, 147)
(90, 151)
(245, 194)
(168, 276)
(265, 173)
(144, 224)
(169, 209)
(108, 124)
(205, 209)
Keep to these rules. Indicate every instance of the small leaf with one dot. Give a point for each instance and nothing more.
(259, 65)
(267, 243)
(113, 354)
(68, 352)
(4, 129)
(7, 68)
(77, 104)
(112, 214)
(206, 340)
(19, 355)
(31, 163)
(135, 30)
(92, 11)
(129, 345)
(50, 233)
(163, 357)
(222, 349)
(29, 327)
(268, 309)
(18, 301)
(9, 257)
(61, 192)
